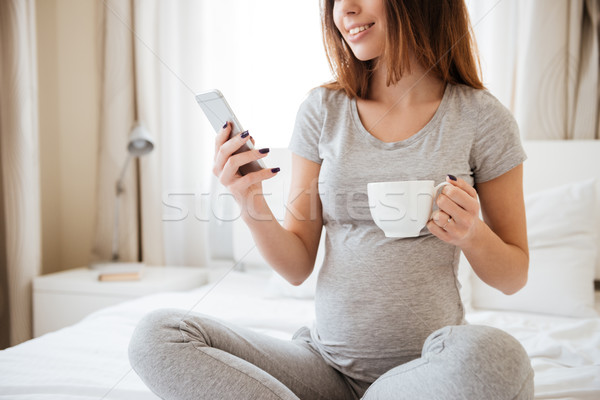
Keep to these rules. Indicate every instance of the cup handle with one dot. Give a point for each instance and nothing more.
(436, 195)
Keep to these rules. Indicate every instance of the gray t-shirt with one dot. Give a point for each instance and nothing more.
(379, 298)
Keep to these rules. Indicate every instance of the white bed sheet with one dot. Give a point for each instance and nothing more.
(89, 360)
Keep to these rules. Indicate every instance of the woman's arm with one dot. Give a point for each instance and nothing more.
(497, 246)
(292, 250)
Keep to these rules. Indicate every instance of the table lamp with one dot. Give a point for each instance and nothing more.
(139, 144)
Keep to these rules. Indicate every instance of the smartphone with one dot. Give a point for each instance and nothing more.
(218, 112)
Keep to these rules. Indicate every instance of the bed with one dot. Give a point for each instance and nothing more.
(559, 328)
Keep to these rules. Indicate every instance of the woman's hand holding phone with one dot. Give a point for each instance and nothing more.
(226, 165)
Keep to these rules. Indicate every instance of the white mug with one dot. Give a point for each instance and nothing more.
(401, 209)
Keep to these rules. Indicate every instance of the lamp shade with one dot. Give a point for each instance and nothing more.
(140, 142)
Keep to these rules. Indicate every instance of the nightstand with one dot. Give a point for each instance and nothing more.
(64, 298)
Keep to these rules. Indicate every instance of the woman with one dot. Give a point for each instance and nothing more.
(406, 104)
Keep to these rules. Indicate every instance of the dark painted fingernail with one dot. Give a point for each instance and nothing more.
(225, 126)
(264, 151)
(452, 177)
(245, 134)
(275, 170)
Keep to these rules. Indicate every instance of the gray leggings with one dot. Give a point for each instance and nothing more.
(191, 356)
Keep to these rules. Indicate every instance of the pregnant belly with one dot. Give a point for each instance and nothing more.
(370, 318)
(365, 339)
(384, 320)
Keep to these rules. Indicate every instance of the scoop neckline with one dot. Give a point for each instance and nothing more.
(433, 122)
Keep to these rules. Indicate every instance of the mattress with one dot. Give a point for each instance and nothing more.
(89, 360)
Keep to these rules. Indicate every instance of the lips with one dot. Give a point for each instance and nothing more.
(358, 29)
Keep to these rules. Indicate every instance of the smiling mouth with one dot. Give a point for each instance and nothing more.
(360, 29)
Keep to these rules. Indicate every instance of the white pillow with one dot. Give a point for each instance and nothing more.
(562, 250)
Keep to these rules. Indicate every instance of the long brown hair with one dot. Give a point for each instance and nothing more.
(438, 32)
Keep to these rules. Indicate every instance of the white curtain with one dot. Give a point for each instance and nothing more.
(117, 117)
(246, 50)
(541, 59)
(20, 223)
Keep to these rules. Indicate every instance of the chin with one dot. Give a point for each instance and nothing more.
(363, 54)
(365, 57)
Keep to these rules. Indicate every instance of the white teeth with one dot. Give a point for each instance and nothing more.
(359, 29)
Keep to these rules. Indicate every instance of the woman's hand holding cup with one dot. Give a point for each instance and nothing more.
(457, 216)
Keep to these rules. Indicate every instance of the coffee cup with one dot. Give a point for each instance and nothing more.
(402, 208)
